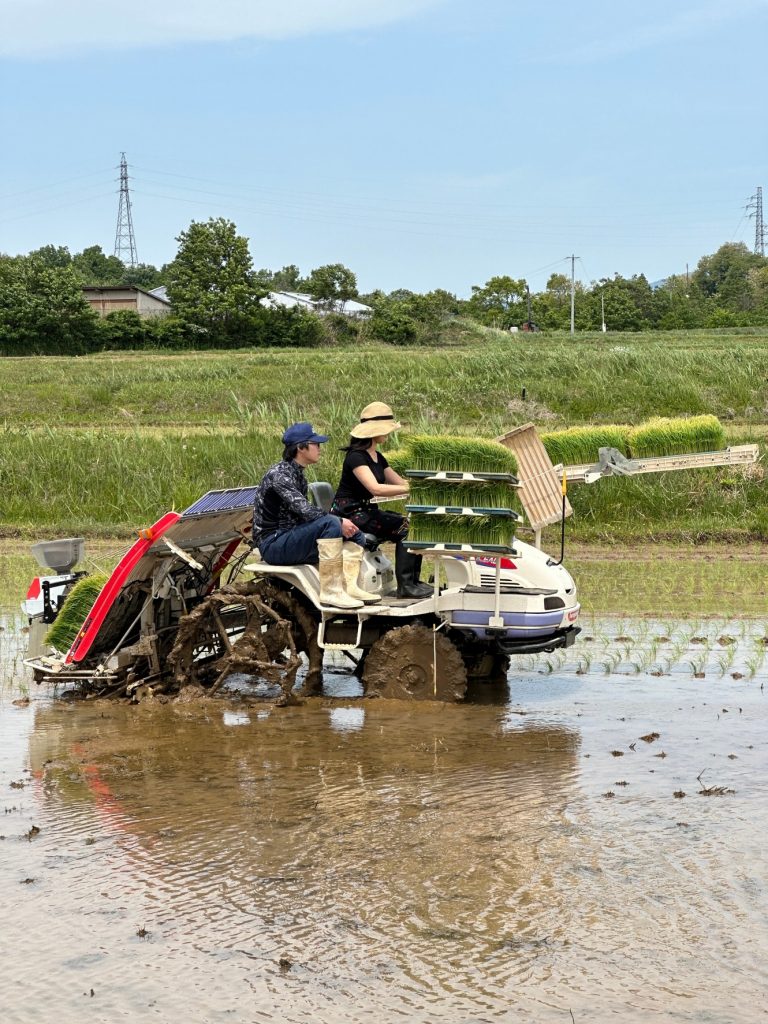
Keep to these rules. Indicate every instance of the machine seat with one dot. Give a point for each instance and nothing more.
(322, 495)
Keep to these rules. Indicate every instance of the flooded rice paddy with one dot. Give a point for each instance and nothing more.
(585, 844)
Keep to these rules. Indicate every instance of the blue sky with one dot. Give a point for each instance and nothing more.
(423, 143)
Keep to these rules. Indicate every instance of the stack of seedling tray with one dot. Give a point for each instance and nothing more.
(461, 492)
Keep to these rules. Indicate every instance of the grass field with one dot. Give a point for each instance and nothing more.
(475, 380)
(103, 444)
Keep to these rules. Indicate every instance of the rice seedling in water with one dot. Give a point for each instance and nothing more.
(698, 663)
(725, 660)
(611, 662)
(583, 664)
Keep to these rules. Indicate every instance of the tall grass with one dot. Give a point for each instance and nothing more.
(475, 386)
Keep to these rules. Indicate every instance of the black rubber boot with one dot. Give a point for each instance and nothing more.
(407, 569)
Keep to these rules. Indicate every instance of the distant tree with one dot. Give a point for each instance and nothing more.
(53, 255)
(288, 279)
(42, 309)
(725, 276)
(559, 288)
(332, 285)
(96, 268)
(391, 323)
(143, 275)
(497, 301)
(211, 284)
(125, 329)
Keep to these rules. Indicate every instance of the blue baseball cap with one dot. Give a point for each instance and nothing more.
(302, 433)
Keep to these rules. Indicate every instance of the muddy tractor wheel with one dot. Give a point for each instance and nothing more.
(413, 663)
(291, 608)
(234, 630)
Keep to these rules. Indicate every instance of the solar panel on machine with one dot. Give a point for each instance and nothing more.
(222, 501)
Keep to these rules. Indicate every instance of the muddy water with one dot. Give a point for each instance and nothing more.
(354, 861)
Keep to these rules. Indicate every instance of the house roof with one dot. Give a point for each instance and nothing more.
(304, 299)
(125, 288)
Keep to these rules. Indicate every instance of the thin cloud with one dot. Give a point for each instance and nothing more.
(686, 24)
(52, 28)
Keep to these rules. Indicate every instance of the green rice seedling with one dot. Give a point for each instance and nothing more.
(644, 658)
(458, 529)
(697, 663)
(758, 655)
(461, 454)
(583, 664)
(78, 603)
(725, 660)
(487, 494)
(553, 662)
(664, 436)
(753, 663)
(436, 453)
(399, 459)
(611, 662)
(578, 445)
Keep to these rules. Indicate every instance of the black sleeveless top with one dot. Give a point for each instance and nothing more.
(350, 488)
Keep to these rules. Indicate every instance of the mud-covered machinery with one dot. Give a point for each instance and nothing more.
(190, 603)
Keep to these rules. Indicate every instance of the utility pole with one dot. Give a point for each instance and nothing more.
(756, 205)
(125, 241)
(602, 311)
(573, 293)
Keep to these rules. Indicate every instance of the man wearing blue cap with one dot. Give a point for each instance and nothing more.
(289, 530)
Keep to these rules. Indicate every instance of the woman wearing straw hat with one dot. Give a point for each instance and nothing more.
(366, 474)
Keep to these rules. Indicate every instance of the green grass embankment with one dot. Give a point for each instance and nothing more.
(100, 445)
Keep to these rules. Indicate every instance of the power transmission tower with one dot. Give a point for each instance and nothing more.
(125, 241)
(756, 205)
(573, 292)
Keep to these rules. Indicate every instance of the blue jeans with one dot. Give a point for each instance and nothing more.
(298, 545)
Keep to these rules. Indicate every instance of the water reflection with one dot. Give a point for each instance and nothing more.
(364, 860)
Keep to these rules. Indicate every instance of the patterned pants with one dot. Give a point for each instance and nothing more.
(371, 519)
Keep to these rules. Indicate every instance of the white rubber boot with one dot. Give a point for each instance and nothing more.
(331, 569)
(353, 560)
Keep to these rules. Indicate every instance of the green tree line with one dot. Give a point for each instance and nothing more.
(217, 300)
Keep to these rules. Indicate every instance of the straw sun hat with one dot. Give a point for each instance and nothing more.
(376, 420)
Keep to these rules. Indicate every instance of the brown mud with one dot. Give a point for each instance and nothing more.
(355, 860)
